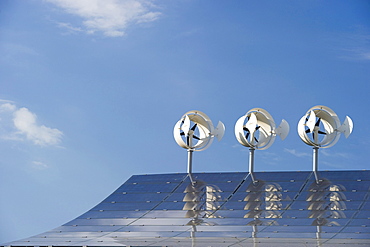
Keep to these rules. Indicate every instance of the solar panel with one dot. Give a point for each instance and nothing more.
(225, 209)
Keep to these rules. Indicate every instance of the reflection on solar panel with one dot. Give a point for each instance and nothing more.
(225, 209)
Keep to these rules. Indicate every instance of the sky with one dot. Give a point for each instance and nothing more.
(90, 91)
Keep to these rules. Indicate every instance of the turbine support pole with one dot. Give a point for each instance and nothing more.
(251, 163)
(254, 236)
(315, 162)
(190, 164)
(318, 236)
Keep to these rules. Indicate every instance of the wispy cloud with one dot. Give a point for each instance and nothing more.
(236, 146)
(7, 107)
(356, 54)
(18, 49)
(355, 46)
(270, 158)
(365, 55)
(21, 123)
(334, 154)
(111, 17)
(39, 165)
(25, 122)
(70, 29)
(18, 55)
(334, 165)
(296, 153)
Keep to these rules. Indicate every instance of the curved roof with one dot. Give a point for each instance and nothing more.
(328, 208)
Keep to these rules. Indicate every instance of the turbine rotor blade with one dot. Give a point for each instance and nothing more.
(194, 127)
(219, 131)
(327, 127)
(283, 129)
(311, 122)
(186, 125)
(252, 123)
(347, 127)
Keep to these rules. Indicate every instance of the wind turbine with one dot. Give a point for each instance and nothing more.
(320, 127)
(195, 132)
(257, 130)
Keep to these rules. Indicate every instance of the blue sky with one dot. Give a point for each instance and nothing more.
(91, 90)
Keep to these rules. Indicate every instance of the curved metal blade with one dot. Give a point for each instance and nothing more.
(247, 135)
(219, 131)
(262, 136)
(347, 127)
(311, 122)
(186, 125)
(194, 127)
(283, 129)
(251, 124)
(196, 137)
(327, 127)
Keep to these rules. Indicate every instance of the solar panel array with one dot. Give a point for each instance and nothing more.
(329, 208)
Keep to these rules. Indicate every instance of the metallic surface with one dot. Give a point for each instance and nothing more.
(225, 209)
(185, 135)
(257, 129)
(309, 129)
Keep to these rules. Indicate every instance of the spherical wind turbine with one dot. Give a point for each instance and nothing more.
(195, 132)
(320, 127)
(257, 130)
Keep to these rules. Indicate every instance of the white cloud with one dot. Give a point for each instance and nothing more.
(365, 55)
(69, 27)
(21, 123)
(14, 49)
(236, 146)
(354, 46)
(334, 154)
(295, 153)
(111, 17)
(355, 54)
(25, 122)
(39, 165)
(7, 107)
(270, 158)
(335, 165)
